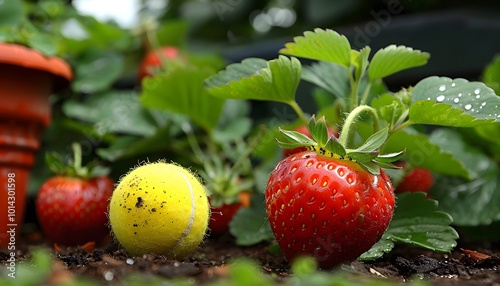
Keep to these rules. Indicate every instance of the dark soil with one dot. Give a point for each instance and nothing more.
(110, 264)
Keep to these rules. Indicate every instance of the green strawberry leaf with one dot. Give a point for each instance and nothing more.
(334, 145)
(422, 152)
(453, 102)
(127, 115)
(295, 139)
(276, 82)
(360, 61)
(371, 167)
(250, 225)
(318, 130)
(476, 201)
(363, 157)
(489, 133)
(453, 143)
(390, 108)
(491, 75)
(11, 12)
(374, 142)
(331, 77)
(417, 221)
(324, 45)
(390, 157)
(235, 72)
(96, 71)
(393, 59)
(181, 90)
(45, 44)
(378, 250)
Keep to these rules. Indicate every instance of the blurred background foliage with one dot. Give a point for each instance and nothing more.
(105, 55)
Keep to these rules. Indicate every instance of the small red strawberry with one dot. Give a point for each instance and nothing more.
(222, 215)
(416, 180)
(153, 61)
(228, 190)
(303, 130)
(331, 203)
(71, 207)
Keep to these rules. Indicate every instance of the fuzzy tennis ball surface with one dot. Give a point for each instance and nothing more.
(159, 208)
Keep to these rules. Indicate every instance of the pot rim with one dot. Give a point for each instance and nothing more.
(18, 55)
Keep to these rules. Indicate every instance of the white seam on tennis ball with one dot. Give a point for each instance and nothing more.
(186, 232)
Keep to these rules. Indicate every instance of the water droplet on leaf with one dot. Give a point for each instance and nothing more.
(442, 87)
(468, 107)
(440, 98)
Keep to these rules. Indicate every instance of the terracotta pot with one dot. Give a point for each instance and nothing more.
(27, 79)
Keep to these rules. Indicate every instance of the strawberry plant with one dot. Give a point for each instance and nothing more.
(453, 107)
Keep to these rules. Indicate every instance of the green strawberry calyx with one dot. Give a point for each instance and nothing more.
(367, 155)
(223, 181)
(72, 166)
(223, 178)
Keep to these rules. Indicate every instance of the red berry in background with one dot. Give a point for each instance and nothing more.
(72, 211)
(153, 61)
(328, 208)
(416, 180)
(221, 216)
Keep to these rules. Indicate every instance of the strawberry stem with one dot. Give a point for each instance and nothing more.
(354, 91)
(193, 142)
(299, 111)
(366, 93)
(77, 161)
(349, 124)
(77, 155)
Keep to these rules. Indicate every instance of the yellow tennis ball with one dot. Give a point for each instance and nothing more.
(159, 208)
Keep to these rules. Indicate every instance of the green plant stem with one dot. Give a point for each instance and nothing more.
(153, 40)
(400, 127)
(77, 155)
(366, 93)
(77, 161)
(248, 151)
(299, 111)
(354, 92)
(349, 126)
(193, 142)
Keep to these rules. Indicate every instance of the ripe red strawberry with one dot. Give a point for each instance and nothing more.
(222, 215)
(72, 210)
(331, 203)
(416, 180)
(153, 61)
(303, 130)
(71, 206)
